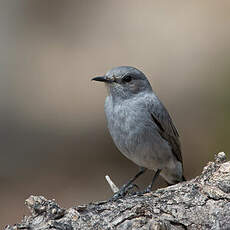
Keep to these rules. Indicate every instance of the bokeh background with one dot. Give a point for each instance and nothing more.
(53, 135)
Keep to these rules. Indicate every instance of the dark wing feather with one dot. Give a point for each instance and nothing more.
(166, 128)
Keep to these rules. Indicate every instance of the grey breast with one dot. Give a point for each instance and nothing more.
(133, 131)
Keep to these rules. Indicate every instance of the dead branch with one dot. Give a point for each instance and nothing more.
(201, 203)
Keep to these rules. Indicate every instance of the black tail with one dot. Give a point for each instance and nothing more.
(169, 184)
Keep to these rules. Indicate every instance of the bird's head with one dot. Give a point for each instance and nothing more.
(125, 82)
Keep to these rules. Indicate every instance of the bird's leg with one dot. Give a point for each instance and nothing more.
(149, 188)
(123, 190)
(129, 184)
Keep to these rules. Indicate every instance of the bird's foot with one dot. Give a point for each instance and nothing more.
(147, 190)
(124, 190)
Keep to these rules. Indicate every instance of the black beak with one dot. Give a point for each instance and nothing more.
(100, 78)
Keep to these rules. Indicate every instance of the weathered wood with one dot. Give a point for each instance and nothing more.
(201, 203)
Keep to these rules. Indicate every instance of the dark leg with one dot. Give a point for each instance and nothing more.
(149, 188)
(123, 190)
(142, 170)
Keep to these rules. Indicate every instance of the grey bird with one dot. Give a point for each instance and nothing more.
(141, 127)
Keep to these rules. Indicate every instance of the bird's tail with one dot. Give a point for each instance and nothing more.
(183, 178)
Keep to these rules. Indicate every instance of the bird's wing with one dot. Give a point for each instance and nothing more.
(167, 130)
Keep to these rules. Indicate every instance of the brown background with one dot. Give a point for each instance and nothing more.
(53, 132)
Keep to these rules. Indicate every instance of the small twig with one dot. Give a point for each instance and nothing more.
(113, 187)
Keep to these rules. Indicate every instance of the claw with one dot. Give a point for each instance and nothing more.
(147, 190)
(125, 188)
(124, 191)
(117, 195)
(132, 186)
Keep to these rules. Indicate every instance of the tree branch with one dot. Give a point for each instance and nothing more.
(201, 203)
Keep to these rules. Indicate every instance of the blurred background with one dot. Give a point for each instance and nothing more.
(53, 136)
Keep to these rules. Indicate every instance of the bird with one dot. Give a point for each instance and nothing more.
(141, 126)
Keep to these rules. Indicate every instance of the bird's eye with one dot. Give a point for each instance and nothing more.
(127, 78)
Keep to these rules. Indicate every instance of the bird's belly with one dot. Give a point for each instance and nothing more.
(142, 144)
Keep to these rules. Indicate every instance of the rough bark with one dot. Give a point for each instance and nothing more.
(201, 203)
